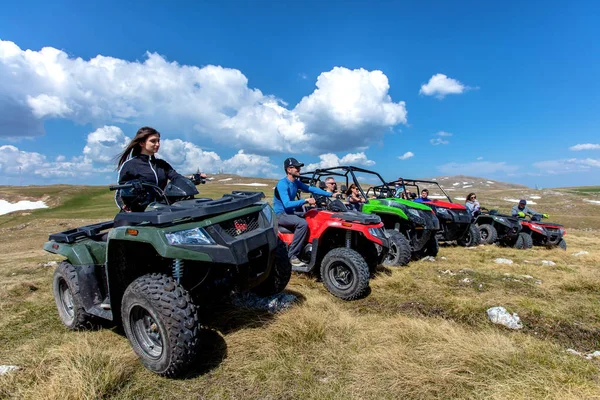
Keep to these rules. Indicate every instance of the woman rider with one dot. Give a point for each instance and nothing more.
(138, 162)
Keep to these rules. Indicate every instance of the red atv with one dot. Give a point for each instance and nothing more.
(540, 233)
(343, 246)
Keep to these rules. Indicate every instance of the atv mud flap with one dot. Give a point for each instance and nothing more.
(90, 290)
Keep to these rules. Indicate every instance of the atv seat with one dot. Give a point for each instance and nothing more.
(283, 229)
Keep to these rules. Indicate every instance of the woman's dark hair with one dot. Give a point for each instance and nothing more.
(349, 191)
(470, 195)
(133, 147)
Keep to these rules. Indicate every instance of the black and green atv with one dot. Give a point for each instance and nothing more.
(150, 270)
(411, 227)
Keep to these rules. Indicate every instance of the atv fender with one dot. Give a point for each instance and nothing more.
(76, 253)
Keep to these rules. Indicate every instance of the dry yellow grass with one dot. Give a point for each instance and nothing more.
(422, 333)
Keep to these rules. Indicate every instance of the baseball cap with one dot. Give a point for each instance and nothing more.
(292, 162)
(523, 201)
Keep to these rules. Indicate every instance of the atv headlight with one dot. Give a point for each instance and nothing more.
(189, 236)
(414, 212)
(377, 232)
(442, 211)
(537, 228)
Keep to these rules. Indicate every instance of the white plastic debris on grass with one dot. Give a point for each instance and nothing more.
(429, 258)
(499, 315)
(6, 207)
(447, 272)
(592, 201)
(466, 280)
(581, 253)
(547, 262)
(49, 264)
(7, 368)
(225, 180)
(248, 184)
(272, 304)
(503, 261)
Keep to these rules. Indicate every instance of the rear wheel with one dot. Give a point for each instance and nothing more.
(161, 324)
(65, 288)
(399, 251)
(280, 273)
(471, 238)
(431, 248)
(345, 273)
(488, 234)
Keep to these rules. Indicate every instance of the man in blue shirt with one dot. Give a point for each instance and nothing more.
(285, 206)
(424, 197)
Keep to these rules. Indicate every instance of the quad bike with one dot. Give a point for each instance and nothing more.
(540, 233)
(410, 226)
(456, 222)
(343, 247)
(500, 228)
(150, 270)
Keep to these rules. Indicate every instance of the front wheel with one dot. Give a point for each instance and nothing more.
(399, 251)
(523, 242)
(161, 324)
(345, 274)
(488, 233)
(280, 273)
(471, 238)
(65, 287)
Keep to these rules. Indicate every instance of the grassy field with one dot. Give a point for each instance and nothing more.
(422, 333)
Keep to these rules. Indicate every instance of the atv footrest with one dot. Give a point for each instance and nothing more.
(72, 235)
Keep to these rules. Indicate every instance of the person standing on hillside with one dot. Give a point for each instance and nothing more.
(521, 210)
(285, 207)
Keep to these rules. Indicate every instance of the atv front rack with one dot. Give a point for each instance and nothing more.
(72, 235)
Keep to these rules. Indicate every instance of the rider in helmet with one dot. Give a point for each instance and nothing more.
(521, 210)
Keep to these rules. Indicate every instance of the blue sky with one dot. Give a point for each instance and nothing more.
(504, 91)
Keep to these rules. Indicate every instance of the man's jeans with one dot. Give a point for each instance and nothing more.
(300, 228)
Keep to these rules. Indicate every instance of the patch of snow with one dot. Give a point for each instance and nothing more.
(433, 179)
(429, 258)
(461, 198)
(592, 201)
(546, 262)
(535, 197)
(272, 304)
(7, 368)
(225, 180)
(465, 183)
(580, 253)
(51, 264)
(455, 184)
(499, 315)
(468, 186)
(503, 261)
(490, 182)
(247, 184)
(437, 197)
(6, 207)
(517, 200)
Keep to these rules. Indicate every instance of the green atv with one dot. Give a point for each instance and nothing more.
(411, 227)
(149, 270)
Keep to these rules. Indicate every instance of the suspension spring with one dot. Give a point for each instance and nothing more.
(348, 239)
(177, 269)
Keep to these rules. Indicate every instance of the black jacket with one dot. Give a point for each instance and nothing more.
(148, 170)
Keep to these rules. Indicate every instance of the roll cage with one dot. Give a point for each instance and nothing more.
(415, 183)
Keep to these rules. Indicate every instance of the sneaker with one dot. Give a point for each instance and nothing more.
(296, 262)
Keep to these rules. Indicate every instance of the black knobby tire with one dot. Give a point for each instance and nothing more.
(488, 234)
(527, 240)
(399, 252)
(280, 273)
(518, 243)
(562, 244)
(161, 323)
(431, 248)
(345, 273)
(471, 238)
(65, 288)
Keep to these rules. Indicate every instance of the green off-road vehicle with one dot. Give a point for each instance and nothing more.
(411, 227)
(150, 270)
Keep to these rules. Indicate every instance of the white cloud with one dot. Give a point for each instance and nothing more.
(479, 158)
(444, 134)
(585, 146)
(347, 110)
(567, 165)
(440, 85)
(438, 141)
(331, 160)
(104, 144)
(406, 155)
(476, 168)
